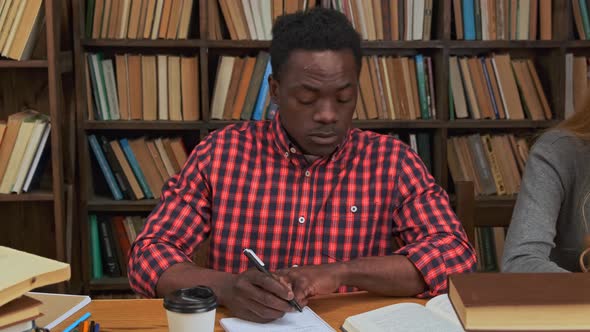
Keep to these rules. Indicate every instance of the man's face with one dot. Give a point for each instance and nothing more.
(316, 96)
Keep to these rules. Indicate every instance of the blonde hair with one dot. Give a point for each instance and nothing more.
(579, 122)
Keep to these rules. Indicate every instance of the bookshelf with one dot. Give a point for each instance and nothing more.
(548, 56)
(40, 221)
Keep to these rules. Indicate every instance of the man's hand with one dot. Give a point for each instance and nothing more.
(255, 296)
(312, 280)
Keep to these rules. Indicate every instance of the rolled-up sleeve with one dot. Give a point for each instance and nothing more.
(436, 241)
(178, 224)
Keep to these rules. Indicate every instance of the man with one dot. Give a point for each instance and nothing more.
(317, 201)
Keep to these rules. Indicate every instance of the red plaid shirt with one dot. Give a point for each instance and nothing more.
(247, 186)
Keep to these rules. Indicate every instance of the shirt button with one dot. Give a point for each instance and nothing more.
(293, 150)
(301, 220)
(353, 209)
(307, 173)
(287, 154)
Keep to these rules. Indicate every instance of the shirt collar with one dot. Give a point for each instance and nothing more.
(284, 145)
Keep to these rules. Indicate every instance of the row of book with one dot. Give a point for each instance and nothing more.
(143, 87)
(489, 248)
(495, 163)
(577, 82)
(581, 18)
(20, 26)
(136, 168)
(389, 19)
(497, 87)
(253, 19)
(139, 19)
(503, 19)
(396, 88)
(110, 241)
(22, 145)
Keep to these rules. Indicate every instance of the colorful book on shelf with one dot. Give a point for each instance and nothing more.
(105, 168)
(136, 168)
(95, 254)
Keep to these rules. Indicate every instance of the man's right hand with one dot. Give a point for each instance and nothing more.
(255, 296)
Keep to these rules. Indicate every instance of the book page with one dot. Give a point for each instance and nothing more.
(441, 305)
(403, 317)
(306, 321)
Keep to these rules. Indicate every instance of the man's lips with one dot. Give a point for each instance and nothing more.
(324, 138)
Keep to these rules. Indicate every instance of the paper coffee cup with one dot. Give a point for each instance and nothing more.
(191, 309)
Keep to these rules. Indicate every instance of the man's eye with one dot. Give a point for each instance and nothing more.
(344, 101)
(306, 102)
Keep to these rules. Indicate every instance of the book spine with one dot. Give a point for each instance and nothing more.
(489, 86)
(469, 19)
(135, 167)
(104, 166)
(110, 263)
(257, 114)
(117, 170)
(95, 248)
(420, 75)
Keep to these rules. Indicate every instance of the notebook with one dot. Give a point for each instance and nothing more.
(306, 321)
(436, 316)
(57, 307)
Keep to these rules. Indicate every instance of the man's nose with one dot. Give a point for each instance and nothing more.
(326, 112)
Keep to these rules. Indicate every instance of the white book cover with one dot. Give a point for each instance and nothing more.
(266, 12)
(124, 19)
(500, 88)
(111, 89)
(157, 19)
(27, 161)
(409, 19)
(14, 27)
(249, 20)
(363, 27)
(418, 20)
(100, 86)
(162, 63)
(256, 8)
(485, 35)
(37, 158)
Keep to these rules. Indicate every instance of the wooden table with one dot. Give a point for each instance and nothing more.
(149, 315)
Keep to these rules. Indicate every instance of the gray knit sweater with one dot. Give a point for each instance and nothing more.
(548, 227)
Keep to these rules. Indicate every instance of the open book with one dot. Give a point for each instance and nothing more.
(436, 316)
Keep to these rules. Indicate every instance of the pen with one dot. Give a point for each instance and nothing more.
(77, 322)
(253, 258)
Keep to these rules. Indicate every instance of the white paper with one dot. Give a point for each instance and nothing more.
(306, 321)
(441, 305)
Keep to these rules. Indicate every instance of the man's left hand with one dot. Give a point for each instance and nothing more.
(311, 280)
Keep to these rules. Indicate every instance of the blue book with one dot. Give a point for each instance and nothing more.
(585, 17)
(105, 168)
(489, 85)
(469, 19)
(135, 167)
(262, 93)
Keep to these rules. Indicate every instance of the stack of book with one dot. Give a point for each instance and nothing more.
(23, 272)
(496, 87)
(143, 87)
(20, 25)
(139, 19)
(503, 19)
(136, 168)
(22, 144)
(110, 242)
(389, 20)
(494, 163)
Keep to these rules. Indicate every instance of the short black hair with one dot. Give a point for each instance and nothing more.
(317, 29)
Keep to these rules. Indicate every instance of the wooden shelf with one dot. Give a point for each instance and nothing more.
(499, 124)
(144, 125)
(65, 63)
(397, 124)
(103, 204)
(142, 43)
(577, 44)
(233, 44)
(106, 283)
(35, 196)
(503, 44)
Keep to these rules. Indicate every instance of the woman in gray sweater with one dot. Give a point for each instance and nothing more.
(551, 220)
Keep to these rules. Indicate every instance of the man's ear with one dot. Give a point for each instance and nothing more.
(273, 85)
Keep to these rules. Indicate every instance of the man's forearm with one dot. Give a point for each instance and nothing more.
(388, 275)
(184, 275)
